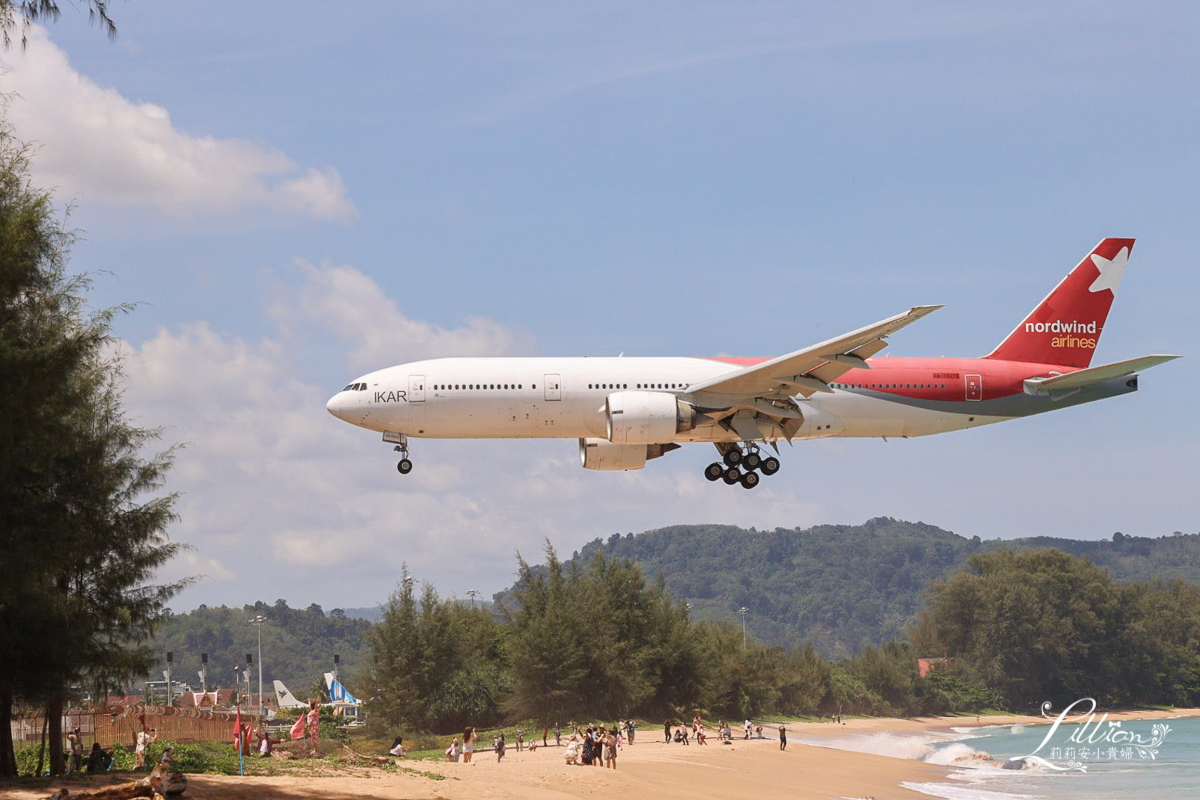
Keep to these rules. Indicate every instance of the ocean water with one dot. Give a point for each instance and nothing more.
(977, 756)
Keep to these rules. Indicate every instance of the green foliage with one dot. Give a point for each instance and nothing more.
(844, 587)
(77, 490)
(1043, 625)
(598, 641)
(428, 657)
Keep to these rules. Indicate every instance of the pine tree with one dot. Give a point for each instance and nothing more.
(80, 531)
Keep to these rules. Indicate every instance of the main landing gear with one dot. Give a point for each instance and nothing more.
(741, 464)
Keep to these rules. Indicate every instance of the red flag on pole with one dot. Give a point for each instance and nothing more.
(237, 726)
(298, 728)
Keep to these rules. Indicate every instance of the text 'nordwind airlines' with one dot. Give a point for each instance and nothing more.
(626, 411)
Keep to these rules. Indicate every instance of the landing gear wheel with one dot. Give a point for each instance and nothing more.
(732, 476)
(404, 467)
(750, 480)
(733, 457)
(770, 465)
(751, 460)
(714, 471)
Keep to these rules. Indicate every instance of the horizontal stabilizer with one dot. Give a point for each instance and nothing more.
(1092, 375)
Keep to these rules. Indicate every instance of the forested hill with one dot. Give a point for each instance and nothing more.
(844, 587)
(298, 645)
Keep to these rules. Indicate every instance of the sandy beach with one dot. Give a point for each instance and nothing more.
(648, 769)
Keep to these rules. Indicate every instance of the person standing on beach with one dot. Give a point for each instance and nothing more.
(468, 744)
(144, 739)
(314, 727)
(75, 741)
(610, 751)
(557, 735)
(667, 730)
(782, 738)
(499, 748)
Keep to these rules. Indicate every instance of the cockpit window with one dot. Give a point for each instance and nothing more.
(349, 387)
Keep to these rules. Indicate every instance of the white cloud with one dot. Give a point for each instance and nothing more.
(282, 500)
(353, 308)
(98, 145)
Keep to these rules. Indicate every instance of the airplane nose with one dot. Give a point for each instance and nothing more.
(335, 406)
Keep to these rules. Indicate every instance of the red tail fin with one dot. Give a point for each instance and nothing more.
(1065, 327)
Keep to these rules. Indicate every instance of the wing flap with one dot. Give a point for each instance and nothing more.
(808, 370)
(1091, 375)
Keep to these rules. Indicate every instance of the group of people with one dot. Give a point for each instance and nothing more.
(98, 760)
(597, 745)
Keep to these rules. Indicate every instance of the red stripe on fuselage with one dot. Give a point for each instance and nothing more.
(944, 377)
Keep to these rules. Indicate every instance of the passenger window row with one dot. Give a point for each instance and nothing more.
(448, 387)
(889, 385)
(638, 385)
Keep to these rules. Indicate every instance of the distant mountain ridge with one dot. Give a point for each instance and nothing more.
(844, 587)
(841, 586)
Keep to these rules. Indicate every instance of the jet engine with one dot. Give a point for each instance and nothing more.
(647, 417)
(603, 454)
(599, 454)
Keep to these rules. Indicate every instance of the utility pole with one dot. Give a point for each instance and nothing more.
(258, 622)
(170, 657)
(471, 593)
(743, 611)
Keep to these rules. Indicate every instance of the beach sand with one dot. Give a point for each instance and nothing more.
(648, 769)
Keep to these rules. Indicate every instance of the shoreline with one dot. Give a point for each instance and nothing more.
(647, 769)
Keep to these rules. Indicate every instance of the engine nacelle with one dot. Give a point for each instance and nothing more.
(646, 417)
(601, 454)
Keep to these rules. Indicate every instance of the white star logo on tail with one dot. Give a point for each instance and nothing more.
(1110, 271)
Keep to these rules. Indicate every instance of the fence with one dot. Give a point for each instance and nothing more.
(119, 725)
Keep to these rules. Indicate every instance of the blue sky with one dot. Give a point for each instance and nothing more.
(296, 194)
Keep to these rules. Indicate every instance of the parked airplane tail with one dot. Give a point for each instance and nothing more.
(286, 699)
(337, 692)
(1065, 328)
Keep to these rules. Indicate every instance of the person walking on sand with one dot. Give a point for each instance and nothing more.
(632, 729)
(782, 738)
(667, 730)
(499, 748)
(468, 744)
(314, 727)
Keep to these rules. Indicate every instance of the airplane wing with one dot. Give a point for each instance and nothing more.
(811, 369)
(1091, 375)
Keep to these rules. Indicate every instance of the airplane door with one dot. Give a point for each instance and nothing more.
(553, 387)
(416, 388)
(974, 386)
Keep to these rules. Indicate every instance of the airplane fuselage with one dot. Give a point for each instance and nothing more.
(487, 398)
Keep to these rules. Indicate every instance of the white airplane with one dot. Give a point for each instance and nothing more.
(625, 411)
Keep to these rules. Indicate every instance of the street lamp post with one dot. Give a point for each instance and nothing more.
(743, 611)
(471, 593)
(258, 622)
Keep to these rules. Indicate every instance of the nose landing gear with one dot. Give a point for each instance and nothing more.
(404, 465)
(738, 465)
